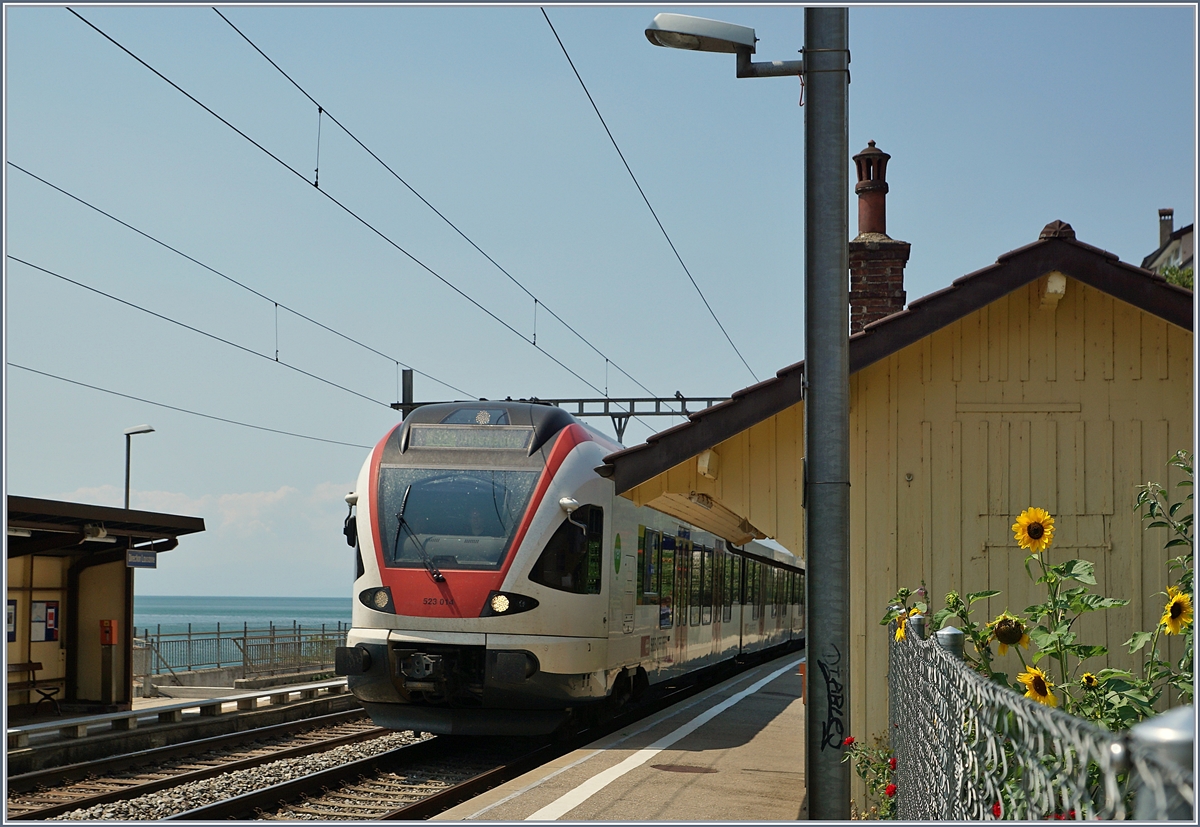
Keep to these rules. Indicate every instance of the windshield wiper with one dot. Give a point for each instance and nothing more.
(438, 577)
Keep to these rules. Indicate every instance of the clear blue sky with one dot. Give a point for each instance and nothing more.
(999, 120)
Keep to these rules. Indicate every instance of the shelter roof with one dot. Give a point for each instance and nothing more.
(1056, 250)
(54, 527)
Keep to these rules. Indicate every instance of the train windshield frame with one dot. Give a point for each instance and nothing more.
(458, 518)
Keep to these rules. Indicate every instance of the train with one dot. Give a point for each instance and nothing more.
(503, 588)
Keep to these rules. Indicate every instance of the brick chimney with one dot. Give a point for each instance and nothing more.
(1166, 226)
(876, 261)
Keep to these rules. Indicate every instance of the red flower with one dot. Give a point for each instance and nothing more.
(890, 791)
(1071, 813)
(849, 740)
(996, 809)
(892, 763)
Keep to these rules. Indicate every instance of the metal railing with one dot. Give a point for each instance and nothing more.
(968, 748)
(256, 652)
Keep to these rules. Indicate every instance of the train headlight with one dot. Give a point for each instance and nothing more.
(506, 603)
(378, 599)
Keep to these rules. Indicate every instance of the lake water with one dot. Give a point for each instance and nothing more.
(174, 613)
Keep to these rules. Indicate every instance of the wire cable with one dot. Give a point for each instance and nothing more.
(346, 209)
(186, 411)
(198, 330)
(238, 283)
(436, 211)
(644, 198)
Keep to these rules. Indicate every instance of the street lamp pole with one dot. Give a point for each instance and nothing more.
(827, 409)
(826, 73)
(129, 432)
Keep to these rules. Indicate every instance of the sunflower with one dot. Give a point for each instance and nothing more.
(1089, 681)
(901, 622)
(1178, 611)
(1034, 529)
(1008, 631)
(1038, 686)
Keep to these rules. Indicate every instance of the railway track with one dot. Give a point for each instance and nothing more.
(370, 774)
(49, 793)
(421, 780)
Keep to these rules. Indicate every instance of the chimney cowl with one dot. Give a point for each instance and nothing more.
(871, 189)
(1166, 226)
(871, 165)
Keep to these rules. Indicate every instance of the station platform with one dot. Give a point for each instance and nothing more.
(732, 753)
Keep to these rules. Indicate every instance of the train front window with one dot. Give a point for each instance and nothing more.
(455, 518)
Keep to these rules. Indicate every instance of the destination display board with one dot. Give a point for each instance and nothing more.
(468, 436)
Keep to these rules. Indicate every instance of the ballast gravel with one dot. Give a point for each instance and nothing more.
(209, 791)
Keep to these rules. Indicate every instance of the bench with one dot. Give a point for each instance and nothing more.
(46, 691)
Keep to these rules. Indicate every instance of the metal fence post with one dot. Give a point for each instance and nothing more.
(951, 640)
(917, 624)
(1169, 737)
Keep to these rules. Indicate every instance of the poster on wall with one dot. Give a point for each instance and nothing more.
(43, 621)
(10, 621)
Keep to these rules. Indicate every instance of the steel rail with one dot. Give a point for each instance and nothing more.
(145, 788)
(247, 805)
(27, 782)
(671, 695)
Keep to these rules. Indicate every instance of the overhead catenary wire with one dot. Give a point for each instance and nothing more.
(186, 411)
(213, 336)
(436, 211)
(345, 208)
(642, 192)
(231, 280)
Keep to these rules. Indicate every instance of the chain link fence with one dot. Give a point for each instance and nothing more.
(969, 749)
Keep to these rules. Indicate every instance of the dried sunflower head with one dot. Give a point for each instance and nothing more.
(1008, 630)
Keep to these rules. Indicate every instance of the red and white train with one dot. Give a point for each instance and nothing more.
(501, 584)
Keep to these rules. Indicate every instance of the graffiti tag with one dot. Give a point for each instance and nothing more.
(833, 728)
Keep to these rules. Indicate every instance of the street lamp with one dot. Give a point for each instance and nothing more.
(825, 69)
(129, 432)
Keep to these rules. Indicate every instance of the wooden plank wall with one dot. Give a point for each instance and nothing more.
(1067, 409)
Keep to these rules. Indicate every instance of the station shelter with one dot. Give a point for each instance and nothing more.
(70, 601)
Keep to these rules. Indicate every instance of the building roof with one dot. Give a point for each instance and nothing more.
(1056, 249)
(1148, 261)
(54, 527)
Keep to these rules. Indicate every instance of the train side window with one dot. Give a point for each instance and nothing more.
(694, 593)
(666, 584)
(707, 561)
(752, 567)
(571, 561)
(651, 565)
(683, 570)
(729, 580)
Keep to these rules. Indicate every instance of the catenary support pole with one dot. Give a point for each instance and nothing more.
(827, 409)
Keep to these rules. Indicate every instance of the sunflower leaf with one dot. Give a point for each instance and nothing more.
(1082, 570)
(974, 596)
(1094, 602)
(1083, 651)
(1043, 637)
(1138, 640)
(939, 617)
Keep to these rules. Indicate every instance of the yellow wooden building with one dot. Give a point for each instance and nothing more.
(1059, 377)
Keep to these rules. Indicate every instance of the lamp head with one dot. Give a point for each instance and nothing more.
(682, 31)
(140, 429)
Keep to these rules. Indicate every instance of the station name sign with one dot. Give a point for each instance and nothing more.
(135, 559)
